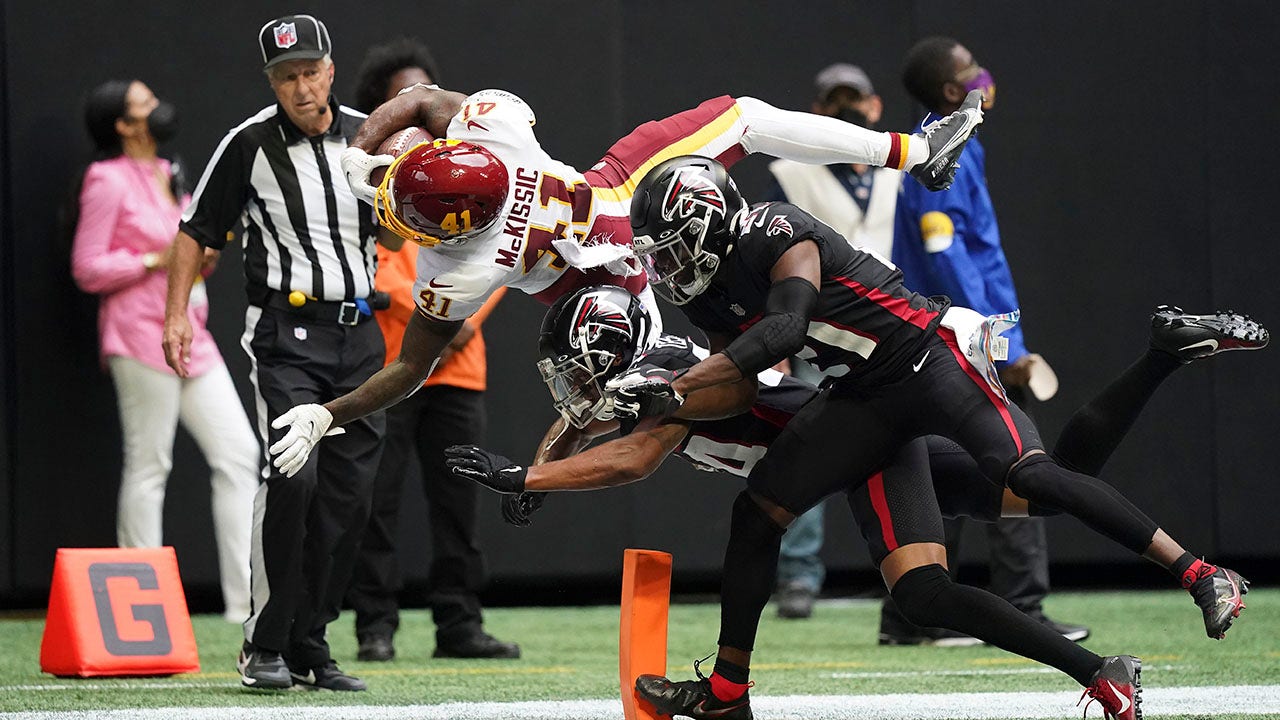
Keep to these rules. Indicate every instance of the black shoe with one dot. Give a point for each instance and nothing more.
(947, 138)
(329, 677)
(1191, 337)
(479, 644)
(795, 601)
(262, 669)
(1117, 686)
(1220, 597)
(691, 698)
(376, 648)
(1074, 633)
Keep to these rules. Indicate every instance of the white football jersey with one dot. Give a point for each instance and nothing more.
(547, 200)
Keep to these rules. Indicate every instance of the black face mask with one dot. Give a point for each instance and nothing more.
(854, 116)
(163, 122)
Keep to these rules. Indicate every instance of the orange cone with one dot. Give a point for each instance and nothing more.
(117, 611)
(646, 598)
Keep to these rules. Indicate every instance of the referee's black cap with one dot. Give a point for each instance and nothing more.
(293, 37)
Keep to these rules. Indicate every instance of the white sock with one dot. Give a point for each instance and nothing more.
(917, 151)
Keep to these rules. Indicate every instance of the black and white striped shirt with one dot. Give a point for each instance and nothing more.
(304, 230)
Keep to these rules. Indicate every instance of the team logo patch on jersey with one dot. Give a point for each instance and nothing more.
(286, 35)
(688, 191)
(596, 315)
(300, 333)
(779, 226)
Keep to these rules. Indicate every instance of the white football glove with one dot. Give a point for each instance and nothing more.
(356, 165)
(307, 424)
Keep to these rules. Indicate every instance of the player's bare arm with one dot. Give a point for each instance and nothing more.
(618, 462)
(185, 260)
(424, 339)
(428, 108)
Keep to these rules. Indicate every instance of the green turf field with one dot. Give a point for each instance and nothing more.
(571, 653)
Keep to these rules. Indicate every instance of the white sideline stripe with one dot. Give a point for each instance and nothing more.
(1255, 700)
(976, 672)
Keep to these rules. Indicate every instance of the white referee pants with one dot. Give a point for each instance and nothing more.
(151, 405)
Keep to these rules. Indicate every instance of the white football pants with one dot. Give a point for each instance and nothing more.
(151, 404)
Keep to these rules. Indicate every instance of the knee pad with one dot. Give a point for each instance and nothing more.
(1030, 474)
(916, 590)
(750, 518)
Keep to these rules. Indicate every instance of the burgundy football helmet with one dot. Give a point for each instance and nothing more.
(447, 191)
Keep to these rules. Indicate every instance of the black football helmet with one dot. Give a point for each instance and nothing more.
(680, 217)
(587, 338)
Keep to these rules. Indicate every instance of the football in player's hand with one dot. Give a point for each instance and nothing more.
(397, 145)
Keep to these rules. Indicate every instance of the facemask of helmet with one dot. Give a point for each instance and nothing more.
(587, 338)
(680, 216)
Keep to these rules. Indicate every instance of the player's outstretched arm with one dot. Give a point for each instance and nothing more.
(617, 462)
(424, 339)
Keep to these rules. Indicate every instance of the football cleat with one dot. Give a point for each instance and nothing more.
(1191, 337)
(1117, 686)
(691, 698)
(947, 138)
(262, 669)
(1220, 595)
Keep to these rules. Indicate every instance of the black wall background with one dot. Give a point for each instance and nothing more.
(1131, 160)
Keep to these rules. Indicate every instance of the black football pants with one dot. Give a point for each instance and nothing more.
(418, 431)
(306, 529)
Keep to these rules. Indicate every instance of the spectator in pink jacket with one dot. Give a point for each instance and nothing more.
(128, 211)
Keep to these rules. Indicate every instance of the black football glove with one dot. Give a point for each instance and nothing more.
(489, 469)
(645, 392)
(516, 509)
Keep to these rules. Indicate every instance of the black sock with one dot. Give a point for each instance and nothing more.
(732, 672)
(750, 570)
(1095, 430)
(928, 597)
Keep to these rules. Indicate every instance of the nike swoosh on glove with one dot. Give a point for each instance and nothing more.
(516, 509)
(645, 392)
(489, 469)
(356, 165)
(307, 424)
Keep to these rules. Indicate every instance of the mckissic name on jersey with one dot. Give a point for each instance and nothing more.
(547, 199)
(734, 444)
(867, 327)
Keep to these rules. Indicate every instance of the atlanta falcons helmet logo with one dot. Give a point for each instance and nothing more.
(594, 315)
(688, 190)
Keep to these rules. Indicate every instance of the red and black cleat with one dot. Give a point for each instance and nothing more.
(1220, 594)
(1191, 337)
(1117, 686)
(691, 698)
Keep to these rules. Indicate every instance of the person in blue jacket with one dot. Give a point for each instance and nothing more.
(949, 244)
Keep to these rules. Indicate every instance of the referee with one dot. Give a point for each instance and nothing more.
(309, 263)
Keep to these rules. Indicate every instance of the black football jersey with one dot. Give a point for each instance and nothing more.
(867, 327)
(734, 444)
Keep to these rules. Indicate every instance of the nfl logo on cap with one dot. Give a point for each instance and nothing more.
(286, 35)
(293, 37)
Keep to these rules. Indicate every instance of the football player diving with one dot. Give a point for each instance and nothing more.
(596, 334)
(494, 209)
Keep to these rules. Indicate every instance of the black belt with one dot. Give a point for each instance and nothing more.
(342, 312)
